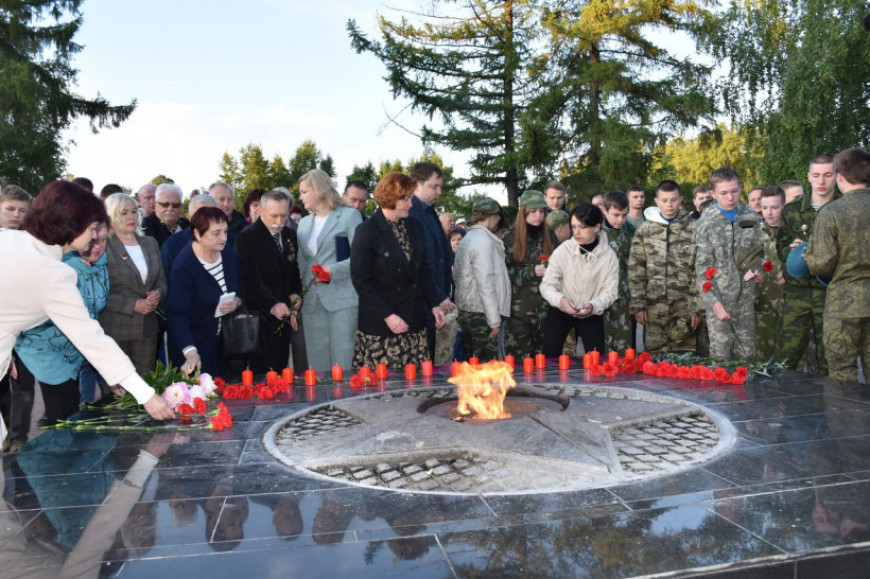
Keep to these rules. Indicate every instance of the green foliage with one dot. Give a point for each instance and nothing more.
(254, 169)
(161, 178)
(365, 175)
(307, 158)
(800, 77)
(36, 98)
(230, 172)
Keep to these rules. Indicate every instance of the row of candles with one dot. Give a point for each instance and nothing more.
(426, 368)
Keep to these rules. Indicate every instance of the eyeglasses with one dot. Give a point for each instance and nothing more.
(173, 204)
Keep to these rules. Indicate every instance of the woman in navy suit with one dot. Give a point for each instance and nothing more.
(204, 271)
(329, 310)
(393, 279)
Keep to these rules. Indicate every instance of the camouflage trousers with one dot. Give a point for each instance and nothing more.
(618, 334)
(445, 337)
(733, 339)
(659, 332)
(524, 335)
(768, 330)
(476, 335)
(845, 339)
(802, 311)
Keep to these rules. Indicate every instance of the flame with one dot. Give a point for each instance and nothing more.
(482, 389)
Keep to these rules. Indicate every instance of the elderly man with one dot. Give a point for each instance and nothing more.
(447, 222)
(269, 279)
(145, 197)
(224, 197)
(179, 240)
(356, 195)
(167, 218)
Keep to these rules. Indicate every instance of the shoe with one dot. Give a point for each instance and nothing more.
(16, 446)
(7, 444)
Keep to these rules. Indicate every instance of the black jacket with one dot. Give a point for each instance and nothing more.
(387, 282)
(154, 228)
(265, 276)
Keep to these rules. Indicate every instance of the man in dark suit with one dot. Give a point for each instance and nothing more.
(269, 279)
(166, 218)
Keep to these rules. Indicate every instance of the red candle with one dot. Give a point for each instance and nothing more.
(474, 361)
(564, 362)
(509, 359)
(540, 361)
(337, 373)
(426, 368)
(528, 365)
(595, 357)
(587, 361)
(271, 376)
(287, 375)
(311, 377)
(613, 357)
(365, 373)
(310, 393)
(247, 378)
(381, 371)
(454, 368)
(629, 354)
(410, 372)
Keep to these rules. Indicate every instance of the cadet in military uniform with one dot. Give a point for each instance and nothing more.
(483, 289)
(768, 294)
(803, 300)
(618, 334)
(527, 250)
(728, 251)
(661, 274)
(837, 249)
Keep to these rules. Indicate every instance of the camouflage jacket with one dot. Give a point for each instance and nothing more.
(838, 249)
(768, 294)
(797, 223)
(718, 243)
(524, 282)
(661, 266)
(620, 242)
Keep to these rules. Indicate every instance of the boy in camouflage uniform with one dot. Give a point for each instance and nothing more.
(728, 241)
(838, 249)
(661, 270)
(618, 333)
(804, 299)
(524, 333)
(768, 294)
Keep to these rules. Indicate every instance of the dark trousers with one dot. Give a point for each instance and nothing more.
(61, 400)
(558, 324)
(16, 401)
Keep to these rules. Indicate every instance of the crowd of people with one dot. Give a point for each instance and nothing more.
(109, 284)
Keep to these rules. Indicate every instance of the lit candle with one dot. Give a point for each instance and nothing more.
(629, 354)
(410, 372)
(564, 362)
(587, 361)
(311, 377)
(287, 375)
(365, 373)
(613, 357)
(528, 365)
(271, 376)
(474, 361)
(595, 357)
(454, 368)
(426, 368)
(509, 359)
(247, 377)
(381, 371)
(337, 373)
(540, 361)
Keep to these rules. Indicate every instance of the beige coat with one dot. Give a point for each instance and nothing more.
(582, 277)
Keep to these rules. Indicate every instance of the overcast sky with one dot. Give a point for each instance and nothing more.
(214, 75)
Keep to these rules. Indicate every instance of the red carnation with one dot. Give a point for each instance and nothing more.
(707, 286)
(649, 368)
(199, 405)
(767, 265)
(643, 358)
(322, 275)
(543, 259)
(610, 369)
(710, 273)
(185, 409)
(721, 375)
(685, 373)
(356, 381)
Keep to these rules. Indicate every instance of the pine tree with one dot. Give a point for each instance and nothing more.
(229, 171)
(36, 82)
(254, 169)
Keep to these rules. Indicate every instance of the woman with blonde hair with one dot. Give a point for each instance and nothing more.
(136, 284)
(392, 277)
(325, 236)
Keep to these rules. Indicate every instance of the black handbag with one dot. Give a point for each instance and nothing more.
(242, 334)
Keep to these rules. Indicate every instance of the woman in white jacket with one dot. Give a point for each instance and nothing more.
(483, 289)
(581, 282)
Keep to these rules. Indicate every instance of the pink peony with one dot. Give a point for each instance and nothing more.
(205, 380)
(176, 394)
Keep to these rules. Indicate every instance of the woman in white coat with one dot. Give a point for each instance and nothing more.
(37, 286)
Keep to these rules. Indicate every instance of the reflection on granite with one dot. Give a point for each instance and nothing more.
(791, 499)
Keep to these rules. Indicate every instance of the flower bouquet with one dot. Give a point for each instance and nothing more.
(320, 276)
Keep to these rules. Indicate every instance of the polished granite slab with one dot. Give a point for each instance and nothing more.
(790, 499)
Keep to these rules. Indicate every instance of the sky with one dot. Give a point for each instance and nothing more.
(211, 76)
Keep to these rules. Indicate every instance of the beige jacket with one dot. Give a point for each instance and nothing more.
(582, 277)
